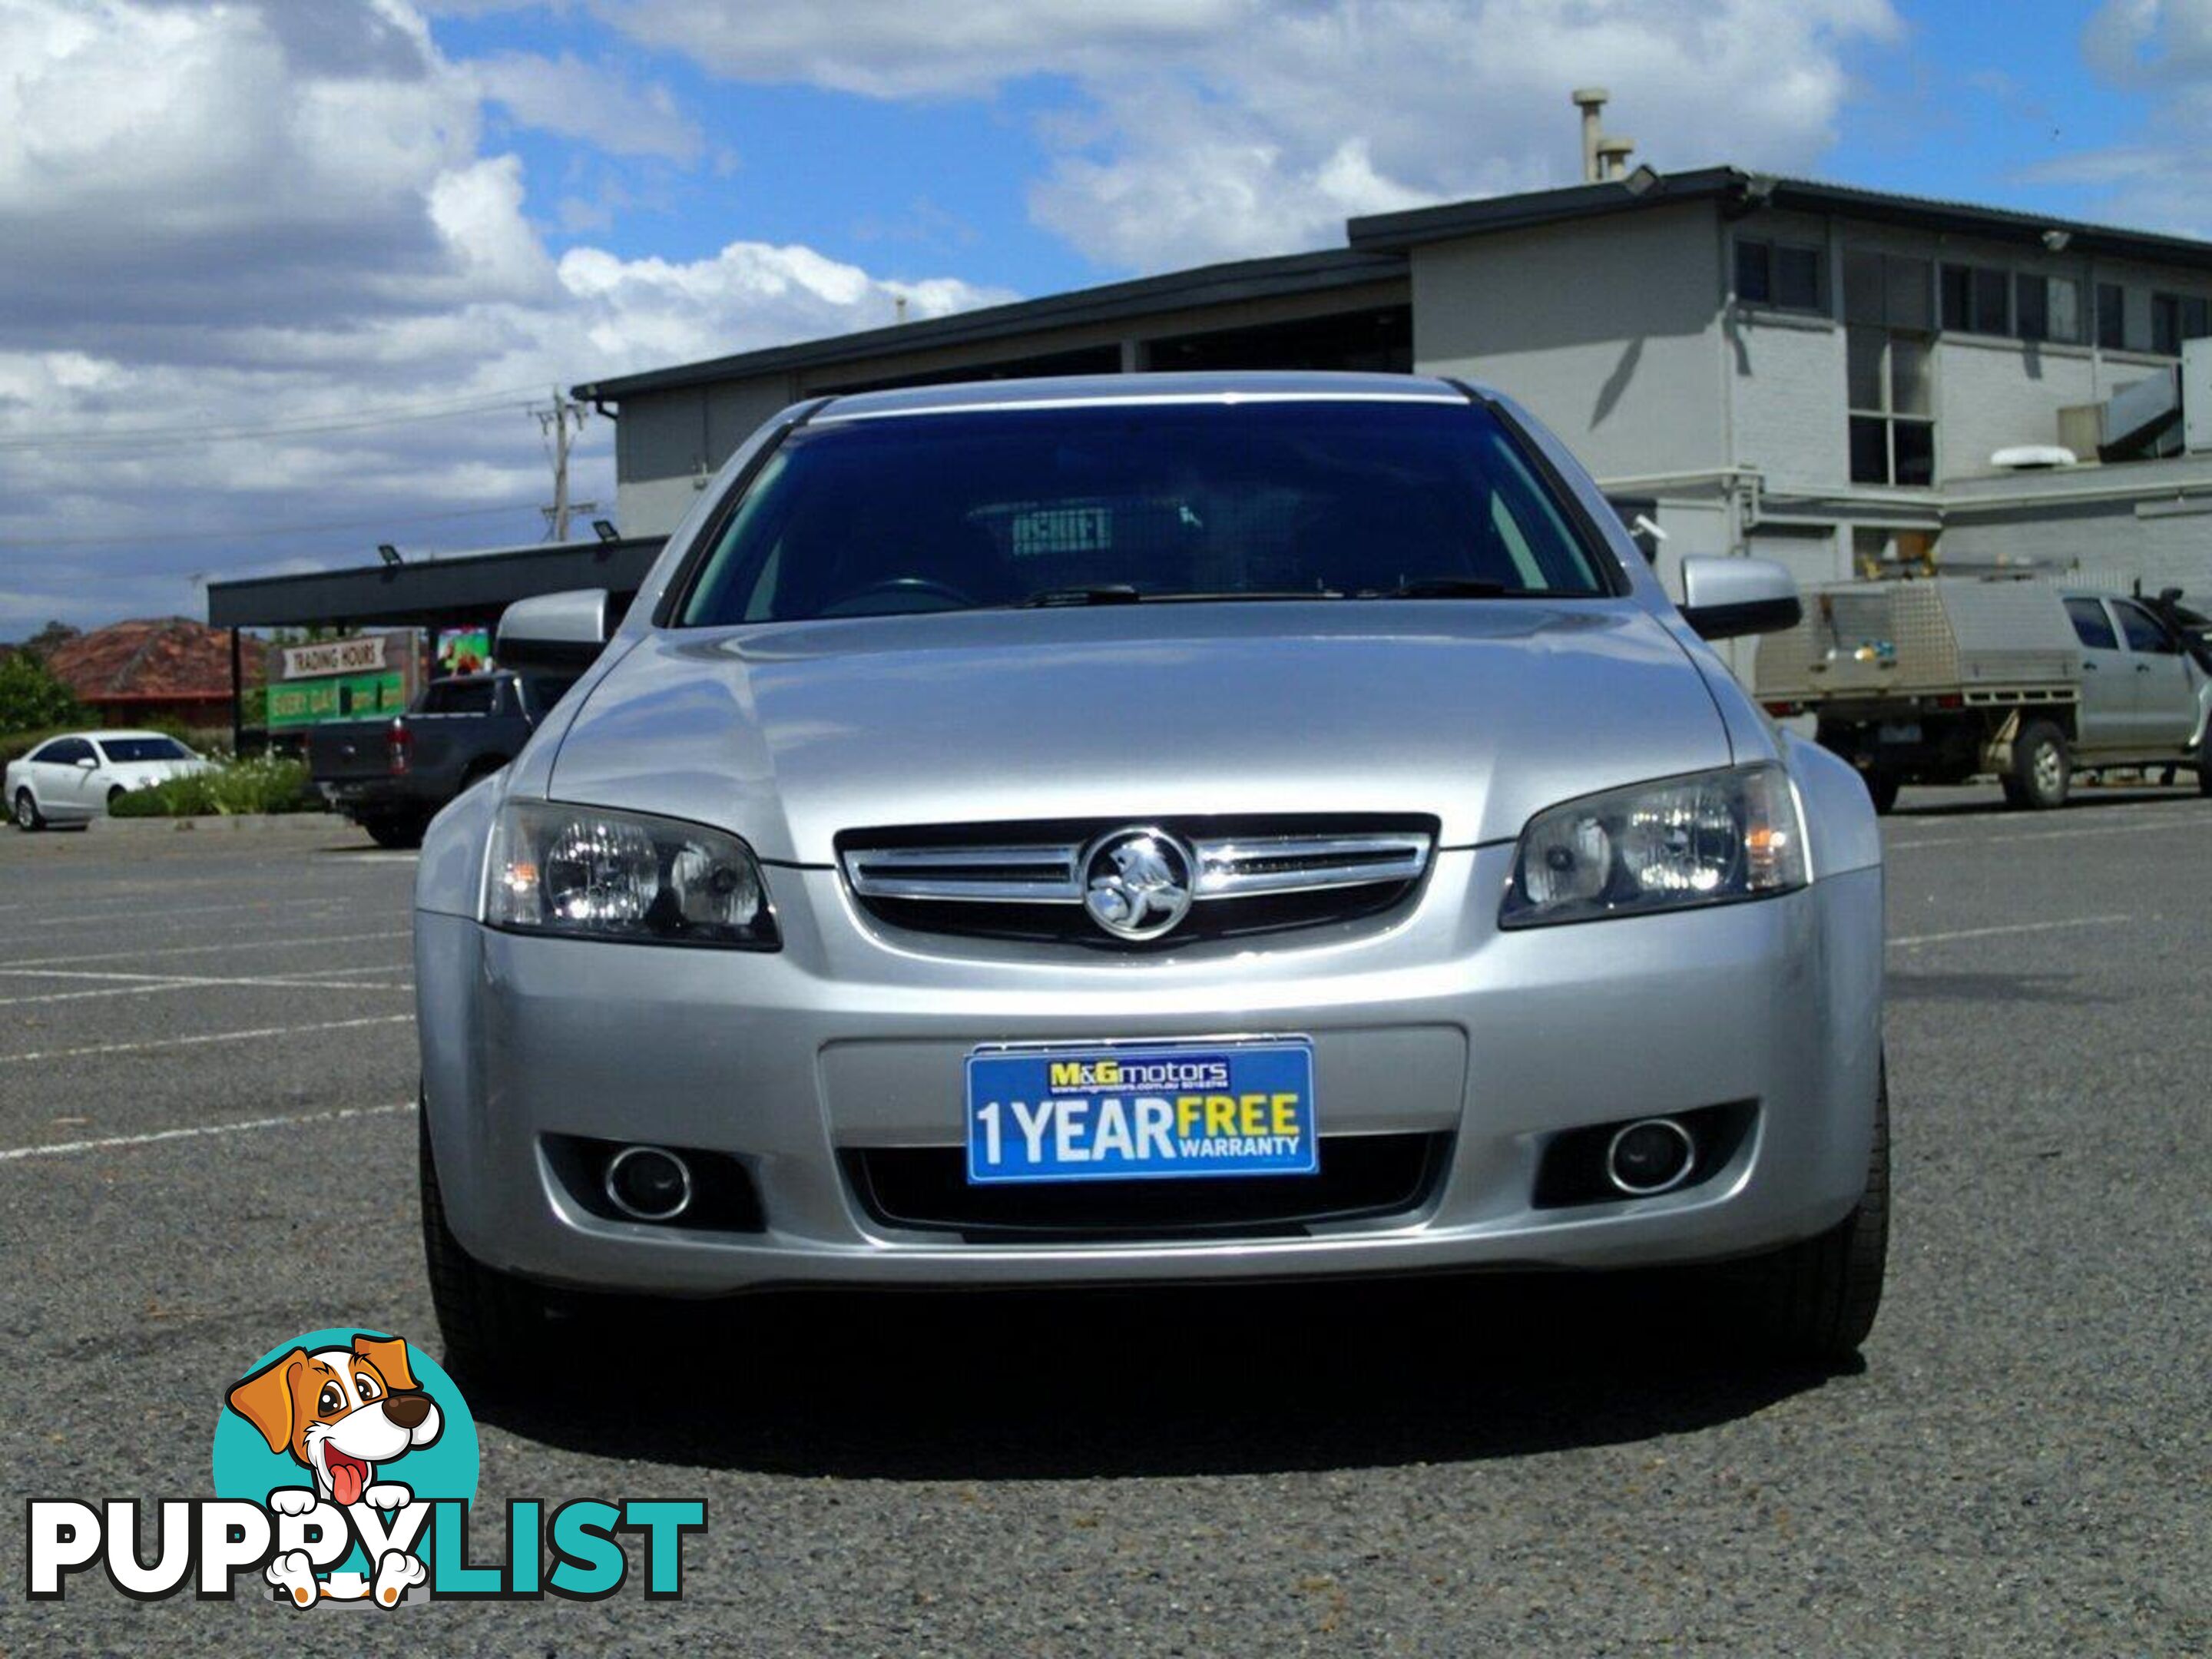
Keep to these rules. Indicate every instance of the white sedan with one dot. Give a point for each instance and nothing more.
(76, 778)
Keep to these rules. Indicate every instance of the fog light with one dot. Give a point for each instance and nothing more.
(648, 1183)
(1652, 1156)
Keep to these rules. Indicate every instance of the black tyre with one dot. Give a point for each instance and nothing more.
(2041, 772)
(1817, 1300)
(493, 1325)
(2204, 778)
(115, 795)
(395, 832)
(27, 815)
(1883, 787)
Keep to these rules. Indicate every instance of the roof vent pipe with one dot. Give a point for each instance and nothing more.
(1613, 154)
(1590, 101)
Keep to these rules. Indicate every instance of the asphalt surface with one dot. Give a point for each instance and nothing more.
(206, 1146)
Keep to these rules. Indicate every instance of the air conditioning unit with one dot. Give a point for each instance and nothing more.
(2197, 394)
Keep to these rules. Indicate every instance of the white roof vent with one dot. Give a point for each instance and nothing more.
(2029, 458)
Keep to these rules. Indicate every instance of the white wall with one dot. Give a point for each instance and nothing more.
(1991, 394)
(1608, 331)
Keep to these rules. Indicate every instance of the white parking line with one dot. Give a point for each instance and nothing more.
(356, 968)
(177, 982)
(142, 917)
(202, 950)
(208, 1037)
(64, 1148)
(79, 996)
(2010, 927)
(1978, 842)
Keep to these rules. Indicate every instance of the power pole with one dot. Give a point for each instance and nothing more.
(559, 423)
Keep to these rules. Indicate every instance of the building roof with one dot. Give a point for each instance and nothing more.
(1740, 190)
(152, 659)
(1236, 282)
(1377, 249)
(430, 591)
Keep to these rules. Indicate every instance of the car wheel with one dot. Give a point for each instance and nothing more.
(1816, 1300)
(114, 795)
(2204, 778)
(395, 832)
(2041, 771)
(1883, 787)
(493, 1325)
(27, 816)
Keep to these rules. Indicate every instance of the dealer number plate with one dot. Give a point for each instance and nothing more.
(1127, 1111)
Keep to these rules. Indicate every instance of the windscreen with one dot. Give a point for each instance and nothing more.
(956, 511)
(144, 748)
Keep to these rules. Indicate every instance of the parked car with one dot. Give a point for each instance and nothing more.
(1941, 681)
(390, 775)
(1147, 829)
(76, 777)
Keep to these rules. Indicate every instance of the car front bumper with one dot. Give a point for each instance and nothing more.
(852, 1037)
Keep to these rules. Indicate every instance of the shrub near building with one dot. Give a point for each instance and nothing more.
(264, 783)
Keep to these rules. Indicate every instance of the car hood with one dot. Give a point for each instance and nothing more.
(1478, 714)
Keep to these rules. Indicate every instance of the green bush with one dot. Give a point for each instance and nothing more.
(259, 785)
(31, 697)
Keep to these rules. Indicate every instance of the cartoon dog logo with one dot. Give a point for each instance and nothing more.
(340, 1413)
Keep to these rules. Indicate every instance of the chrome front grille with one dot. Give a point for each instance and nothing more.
(1032, 881)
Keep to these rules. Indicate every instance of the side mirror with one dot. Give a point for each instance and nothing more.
(87, 762)
(1726, 599)
(553, 630)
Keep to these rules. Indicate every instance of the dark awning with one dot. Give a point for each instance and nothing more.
(426, 592)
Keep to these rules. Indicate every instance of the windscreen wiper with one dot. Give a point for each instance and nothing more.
(1101, 593)
(1445, 588)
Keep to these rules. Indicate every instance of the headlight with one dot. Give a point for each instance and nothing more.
(590, 873)
(1709, 838)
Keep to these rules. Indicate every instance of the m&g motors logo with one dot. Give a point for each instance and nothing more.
(345, 1465)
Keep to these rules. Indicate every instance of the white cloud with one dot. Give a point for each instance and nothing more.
(2162, 50)
(582, 101)
(223, 218)
(903, 49)
(1212, 129)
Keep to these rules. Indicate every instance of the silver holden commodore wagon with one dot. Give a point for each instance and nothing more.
(1152, 828)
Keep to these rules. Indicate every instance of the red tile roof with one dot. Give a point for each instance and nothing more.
(162, 659)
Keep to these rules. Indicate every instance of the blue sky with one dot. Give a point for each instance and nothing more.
(1951, 106)
(284, 276)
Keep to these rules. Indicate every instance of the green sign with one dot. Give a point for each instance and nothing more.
(363, 677)
(347, 696)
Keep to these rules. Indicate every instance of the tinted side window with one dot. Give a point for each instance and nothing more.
(2143, 629)
(451, 697)
(2091, 626)
(66, 751)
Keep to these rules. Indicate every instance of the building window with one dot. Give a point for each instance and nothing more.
(2175, 318)
(2166, 323)
(2047, 308)
(1888, 290)
(1891, 404)
(1783, 274)
(1977, 299)
(1984, 300)
(2111, 317)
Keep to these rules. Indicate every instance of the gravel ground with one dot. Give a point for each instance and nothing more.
(1443, 1466)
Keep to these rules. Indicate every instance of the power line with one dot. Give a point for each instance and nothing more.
(164, 538)
(154, 437)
